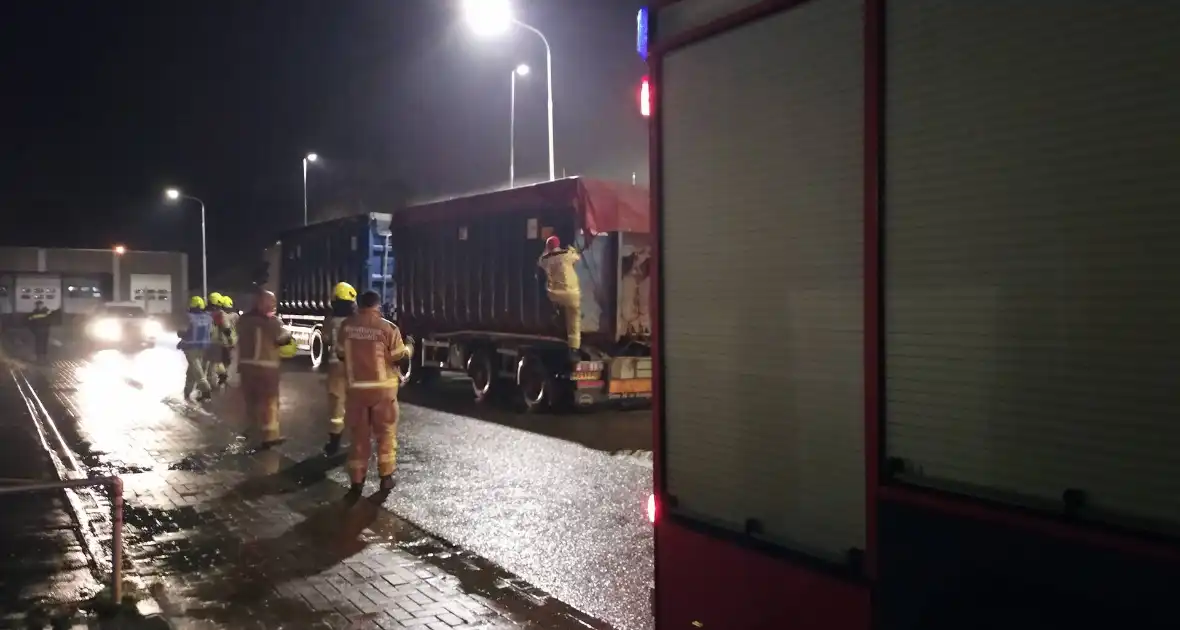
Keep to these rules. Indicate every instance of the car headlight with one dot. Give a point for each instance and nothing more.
(106, 330)
(152, 329)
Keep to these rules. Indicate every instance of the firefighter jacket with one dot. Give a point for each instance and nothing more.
(259, 339)
(199, 334)
(229, 328)
(341, 310)
(370, 347)
(559, 270)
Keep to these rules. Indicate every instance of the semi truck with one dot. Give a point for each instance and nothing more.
(460, 277)
(915, 319)
(468, 289)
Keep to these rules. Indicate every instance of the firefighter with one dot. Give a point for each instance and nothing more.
(370, 348)
(230, 338)
(195, 341)
(222, 334)
(343, 306)
(263, 342)
(564, 290)
(39, 325)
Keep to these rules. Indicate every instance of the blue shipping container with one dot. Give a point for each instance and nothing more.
(315, 257)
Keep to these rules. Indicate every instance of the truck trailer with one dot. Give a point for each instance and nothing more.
(305, 264)
(915, 326)
(470, 292)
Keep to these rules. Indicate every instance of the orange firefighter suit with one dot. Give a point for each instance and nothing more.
(260, 336)
(370, 348)
(563, 287)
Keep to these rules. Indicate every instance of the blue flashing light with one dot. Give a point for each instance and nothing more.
(641, 28)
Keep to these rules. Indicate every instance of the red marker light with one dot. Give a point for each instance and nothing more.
(645, 97)
(651, 508)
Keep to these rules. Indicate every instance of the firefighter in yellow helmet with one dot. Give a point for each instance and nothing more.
(214, 357)
(371, 348)
(343, 306)
(263, 341)
(227, 340)
(195, 340)
(564, 290)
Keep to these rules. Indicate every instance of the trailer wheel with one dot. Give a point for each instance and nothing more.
(534, 385)
(483, 375)
(317, 348)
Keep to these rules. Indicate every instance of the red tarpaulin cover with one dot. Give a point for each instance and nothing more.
(602, 206)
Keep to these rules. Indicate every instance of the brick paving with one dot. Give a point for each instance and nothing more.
(229, 538)
(42, 561)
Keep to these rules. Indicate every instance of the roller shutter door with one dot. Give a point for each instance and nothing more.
(1032, 204)
(762, 277)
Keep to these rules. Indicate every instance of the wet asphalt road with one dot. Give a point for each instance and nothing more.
(556, 500)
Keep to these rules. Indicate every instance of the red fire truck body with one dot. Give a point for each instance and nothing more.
(916, 330)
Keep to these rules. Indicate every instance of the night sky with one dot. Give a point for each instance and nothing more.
(105, 103)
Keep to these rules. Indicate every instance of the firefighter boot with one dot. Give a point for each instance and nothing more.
(354, 492)
(387, 482)
(333, 445)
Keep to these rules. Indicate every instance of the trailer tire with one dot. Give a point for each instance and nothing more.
(534, 384)
(484, 383)
(317, 348)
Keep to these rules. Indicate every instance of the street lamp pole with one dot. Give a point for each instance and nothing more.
(310, 157)
(520, 70)
(548, 88)
(512, 137)
(176, 195)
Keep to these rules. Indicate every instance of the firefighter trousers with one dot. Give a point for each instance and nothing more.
(337, 392)
(260, 389)
(195, 377)
(215, 364)
(371, 416)
(570, 304)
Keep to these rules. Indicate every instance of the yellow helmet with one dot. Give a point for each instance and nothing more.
(345, 291)
(227, 302)
(289, 350)
(196, 301)
(215, 299)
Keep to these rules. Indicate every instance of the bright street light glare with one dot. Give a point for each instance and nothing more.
(311, 157)
(522, 70)
(172, 194)
(120, 250)
(488, 17)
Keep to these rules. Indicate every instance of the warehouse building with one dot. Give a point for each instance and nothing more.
(76, 281)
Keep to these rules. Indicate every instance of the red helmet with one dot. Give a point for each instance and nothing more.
(552, 242)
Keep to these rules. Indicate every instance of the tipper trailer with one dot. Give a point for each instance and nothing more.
(916, 318)
(307, 262)
(469, 291)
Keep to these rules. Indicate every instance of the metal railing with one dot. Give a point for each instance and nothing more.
(71, 474)
(115, 485)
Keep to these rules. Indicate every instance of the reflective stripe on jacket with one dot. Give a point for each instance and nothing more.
(259, 338)
(370, 347)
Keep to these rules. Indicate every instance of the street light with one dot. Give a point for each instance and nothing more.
(173, 194)
(521, 71)
(309, 159)
(116, 275)
(494, 17)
